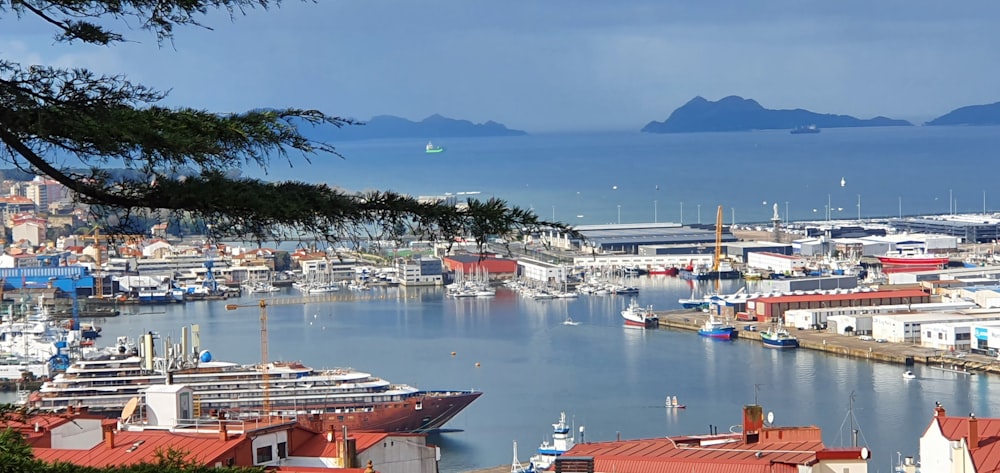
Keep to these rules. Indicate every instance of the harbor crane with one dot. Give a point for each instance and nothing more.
(266, 402)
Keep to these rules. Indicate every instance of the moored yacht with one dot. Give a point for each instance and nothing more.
(321, 399)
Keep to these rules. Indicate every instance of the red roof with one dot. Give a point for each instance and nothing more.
(841, 297)
(135, 447)
(708, 454)
(318, 446)
(985, 455)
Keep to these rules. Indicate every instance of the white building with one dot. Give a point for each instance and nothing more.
(541, 271)
(775, 262)
(948, 336)
(643, 261)
(902, 328)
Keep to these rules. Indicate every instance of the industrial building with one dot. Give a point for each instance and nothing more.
(493, 267)
(740, 250)
(775, 262)
(969, 228)
(627, 238)
(765, 308)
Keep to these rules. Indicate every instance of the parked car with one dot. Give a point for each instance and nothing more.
(866, 338)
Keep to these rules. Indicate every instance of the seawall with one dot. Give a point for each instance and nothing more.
(842, 345)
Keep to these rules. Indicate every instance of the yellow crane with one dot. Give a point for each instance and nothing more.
(266, 384)
(718, 240)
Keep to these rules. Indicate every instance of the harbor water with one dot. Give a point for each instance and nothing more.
(610, 379)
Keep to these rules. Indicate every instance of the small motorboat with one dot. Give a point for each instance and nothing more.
(570, 321)
(908, 375)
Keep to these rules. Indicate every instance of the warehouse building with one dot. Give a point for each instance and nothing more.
(968, 228)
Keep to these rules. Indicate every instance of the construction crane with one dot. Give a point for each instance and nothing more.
(718, 240)
(266, 384)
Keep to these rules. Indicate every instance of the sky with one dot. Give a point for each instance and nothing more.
(557, 65)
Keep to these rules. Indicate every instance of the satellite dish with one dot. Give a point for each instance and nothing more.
(129, 408)
(770, 417)
(865, 453)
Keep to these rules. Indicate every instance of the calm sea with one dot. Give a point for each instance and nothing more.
(638, 177)
(610, 379)
(606, 377)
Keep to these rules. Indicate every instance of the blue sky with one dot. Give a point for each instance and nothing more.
(560, 65)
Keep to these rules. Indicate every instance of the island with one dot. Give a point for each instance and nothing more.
(988, 114)
(736, 113)
(432, 127)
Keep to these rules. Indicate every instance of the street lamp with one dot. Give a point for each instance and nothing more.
(619, 214)
(699, 214)
(786, 211)
(682, 212)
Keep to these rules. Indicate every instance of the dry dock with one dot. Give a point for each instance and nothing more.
(843, 345)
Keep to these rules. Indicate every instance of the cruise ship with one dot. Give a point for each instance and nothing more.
(321, 399)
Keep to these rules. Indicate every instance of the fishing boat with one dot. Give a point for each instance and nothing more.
(637, 316)
(431, 148)
(549, 451)
(912, 260)
(715, 328)
(777, 336)
(671, 403)
(320, 399)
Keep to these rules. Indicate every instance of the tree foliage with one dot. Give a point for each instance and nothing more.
(76, 126)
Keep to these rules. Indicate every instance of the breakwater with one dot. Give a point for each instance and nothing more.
(905, 354)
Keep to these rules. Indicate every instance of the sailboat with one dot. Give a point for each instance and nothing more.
(671, 403)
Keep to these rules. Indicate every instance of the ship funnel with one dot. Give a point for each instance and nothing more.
(195, 339)
(147, 351)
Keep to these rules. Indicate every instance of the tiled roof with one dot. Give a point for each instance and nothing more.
(985, 455)
(709, 454)
(318, 446)
(136, 447)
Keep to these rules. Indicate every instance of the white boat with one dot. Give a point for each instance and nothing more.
(570, 321)
(561, 443)
(908, 375)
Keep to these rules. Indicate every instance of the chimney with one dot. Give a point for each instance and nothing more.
(223, 431)
(938, 410)
(109, 436)
(753, 423)
(973, 432)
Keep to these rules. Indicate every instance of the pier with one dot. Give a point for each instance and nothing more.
(906, 354)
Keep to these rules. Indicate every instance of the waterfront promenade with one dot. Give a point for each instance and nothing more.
(843, 345)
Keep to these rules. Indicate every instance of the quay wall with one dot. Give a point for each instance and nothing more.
(841, 345)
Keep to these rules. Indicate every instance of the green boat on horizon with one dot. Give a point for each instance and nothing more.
(433, 149)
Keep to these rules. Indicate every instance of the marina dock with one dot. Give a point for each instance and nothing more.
(906, 354)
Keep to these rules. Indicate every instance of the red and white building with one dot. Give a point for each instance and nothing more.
(960, 444)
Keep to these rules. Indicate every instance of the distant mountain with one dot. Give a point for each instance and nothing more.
(432, 127)
(735, 113)
(970, 115)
